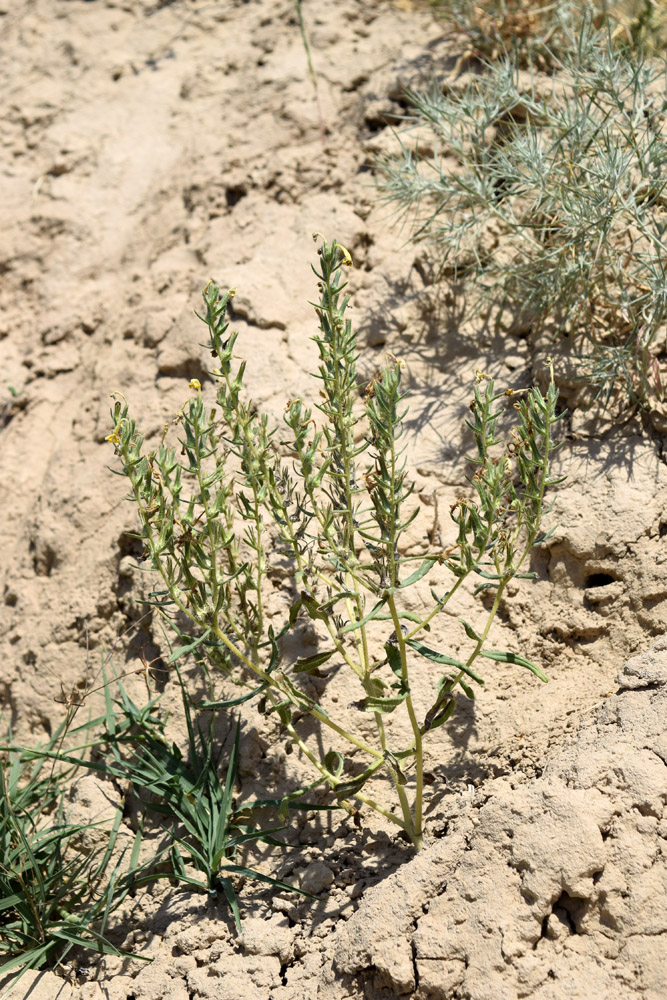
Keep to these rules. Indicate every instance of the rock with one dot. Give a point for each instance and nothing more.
(317, 877)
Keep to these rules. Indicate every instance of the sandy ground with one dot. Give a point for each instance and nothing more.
(146, 148)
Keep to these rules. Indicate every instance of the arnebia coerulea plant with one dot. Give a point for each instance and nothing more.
(240, 496)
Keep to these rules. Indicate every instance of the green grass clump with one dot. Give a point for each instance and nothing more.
(555, 203)
(196, 806)
(327, 495)
(54, 895)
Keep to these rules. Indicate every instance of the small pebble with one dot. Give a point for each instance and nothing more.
(316, 877)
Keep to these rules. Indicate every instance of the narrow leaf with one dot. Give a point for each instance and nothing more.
(543, 538)
(313, 608)
(394, 658)
(449, 661)
(468, 691)
(352, 626)
(440, 713)
(275, 649)
(307, 664)
(382, 705)
(259, 877)
(521, 661)
(228, 890)
(233, 701)
(408, 615)
(348, 788)
(294, 611)
(182, 650)
(469, 630)
(440, 718)
(425, 568)
(329, 603)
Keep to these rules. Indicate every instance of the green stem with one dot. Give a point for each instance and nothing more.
(261, 564)
(416, 833)
(392, 817)
(209, 519)
(333, 781)
(311, 72)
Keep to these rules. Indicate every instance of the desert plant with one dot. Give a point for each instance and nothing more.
(554, 202)
(541, 33)
(311, 70)
(54, 896)
(237, 498)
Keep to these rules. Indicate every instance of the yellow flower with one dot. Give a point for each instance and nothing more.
(347, 258)
(399, 362)
(194, 383)
(114, 438)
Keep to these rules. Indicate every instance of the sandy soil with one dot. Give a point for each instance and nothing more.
(148, 146)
